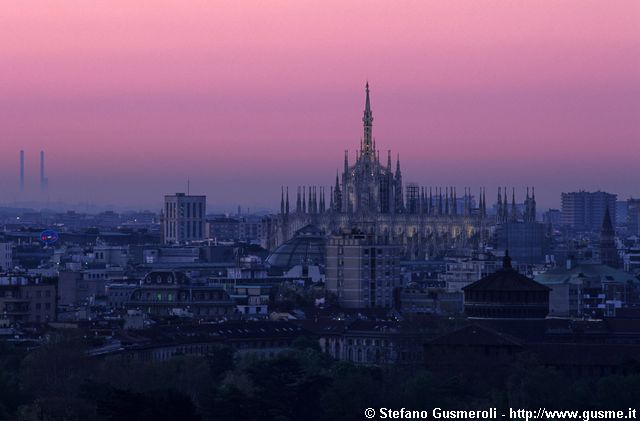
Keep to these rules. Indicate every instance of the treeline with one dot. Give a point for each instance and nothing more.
(57, 382)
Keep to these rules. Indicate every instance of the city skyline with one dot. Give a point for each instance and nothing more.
(241, 107)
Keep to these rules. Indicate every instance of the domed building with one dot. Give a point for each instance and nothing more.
(506, 294)
(306, 248)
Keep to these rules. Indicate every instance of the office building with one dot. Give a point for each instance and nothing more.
(184, 218)
(633, 216)
(584, 211)
(362, 270)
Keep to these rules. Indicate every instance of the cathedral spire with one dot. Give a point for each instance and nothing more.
(454, 202)
(346, 162)
(499, 207)
(527, 207)
(505, 206)
(337, 195)
(282, 200)
(304, 202)
(430, 210)
(484, 202)
(399, 198)
(331, 205)
(287, 202)
(514, 209)
(467, 198)
(446, 200)
(367, 120)
(532, 212)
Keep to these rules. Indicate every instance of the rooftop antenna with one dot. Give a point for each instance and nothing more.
(188, 187)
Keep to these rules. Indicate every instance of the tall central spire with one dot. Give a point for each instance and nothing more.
(367, 119)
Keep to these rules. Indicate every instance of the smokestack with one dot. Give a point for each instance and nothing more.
(43, 180)
(21, 171)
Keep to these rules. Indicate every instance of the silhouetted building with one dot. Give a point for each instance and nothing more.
(506, 294)
(608, 251)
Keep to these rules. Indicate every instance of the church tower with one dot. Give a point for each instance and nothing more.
(608, 251)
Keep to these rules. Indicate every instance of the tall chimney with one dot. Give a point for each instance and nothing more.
(43, 179)
(21, 171)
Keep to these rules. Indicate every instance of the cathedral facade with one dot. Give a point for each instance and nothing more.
(370, 196)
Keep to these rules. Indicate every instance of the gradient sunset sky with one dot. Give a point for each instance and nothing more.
(131, 98)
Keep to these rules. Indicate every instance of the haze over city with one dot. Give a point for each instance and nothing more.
(131, 99)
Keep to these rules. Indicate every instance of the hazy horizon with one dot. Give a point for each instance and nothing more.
(130, 99)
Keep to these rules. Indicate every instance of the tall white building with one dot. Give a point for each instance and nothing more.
(184, 218)
(362, 270)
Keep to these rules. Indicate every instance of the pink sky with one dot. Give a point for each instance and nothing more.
(131, 98)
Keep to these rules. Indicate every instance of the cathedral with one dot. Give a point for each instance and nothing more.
(370, 196)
